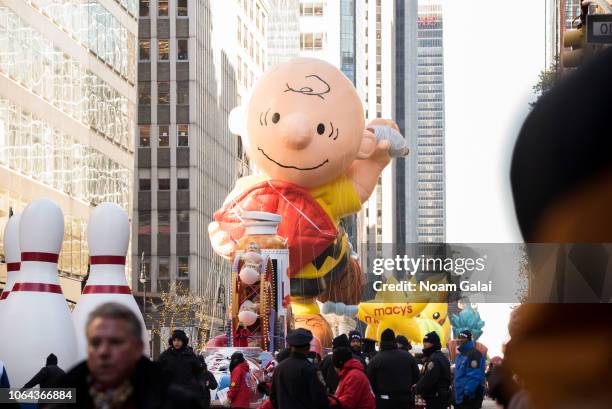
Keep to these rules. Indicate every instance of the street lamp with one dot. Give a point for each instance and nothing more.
(143, 280)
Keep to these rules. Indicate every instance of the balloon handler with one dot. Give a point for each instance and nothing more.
(304, 130)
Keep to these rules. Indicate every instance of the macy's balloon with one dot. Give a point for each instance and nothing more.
(304, 129)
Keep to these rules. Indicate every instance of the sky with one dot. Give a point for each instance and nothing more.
(493, 53)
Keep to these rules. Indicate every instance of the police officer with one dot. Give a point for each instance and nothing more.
(295, 383)
(469, 374)
(435, 377)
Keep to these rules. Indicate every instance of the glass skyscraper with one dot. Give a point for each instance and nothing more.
(67, 107)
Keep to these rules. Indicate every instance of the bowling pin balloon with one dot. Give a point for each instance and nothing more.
(108, 235)
(12, 256)
(36, 318)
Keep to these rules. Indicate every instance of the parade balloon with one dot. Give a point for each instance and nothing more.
(247, 317)
(249, 275)
(305, 131)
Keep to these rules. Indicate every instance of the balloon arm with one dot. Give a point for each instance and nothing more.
(364, 173)
(398, 144)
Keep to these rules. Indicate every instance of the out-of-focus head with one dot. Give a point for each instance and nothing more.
(114, 344)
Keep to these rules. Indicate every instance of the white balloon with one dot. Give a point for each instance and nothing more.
(249, 275)
(247, 317)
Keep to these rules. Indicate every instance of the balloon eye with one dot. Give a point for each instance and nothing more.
(320, 129)
(275, 117)
(436, 315)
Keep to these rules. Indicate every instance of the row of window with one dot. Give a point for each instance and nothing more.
(163, 136)
(162, 8)
(163, 222)
(312, 8)
(163, 50)
(163, 93)
(250, 45)
(312, 41)
(144, 184)
(252, 10)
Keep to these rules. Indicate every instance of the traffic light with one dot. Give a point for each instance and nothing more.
(575, 39)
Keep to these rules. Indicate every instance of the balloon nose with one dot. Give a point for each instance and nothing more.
(295, 131)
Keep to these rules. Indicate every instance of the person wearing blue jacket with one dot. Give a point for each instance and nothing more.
(469, 374)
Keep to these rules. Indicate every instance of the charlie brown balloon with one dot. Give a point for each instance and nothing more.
(304, 130)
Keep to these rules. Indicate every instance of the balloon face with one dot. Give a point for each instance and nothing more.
(305, 122)
(249, 275)
(247, 317)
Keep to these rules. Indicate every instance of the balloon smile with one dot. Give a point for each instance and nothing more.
(291, 166)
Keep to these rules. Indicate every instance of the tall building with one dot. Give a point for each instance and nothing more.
(376, 84)
(67, 107)
(420, 113)
(283, 31)
(198, 60)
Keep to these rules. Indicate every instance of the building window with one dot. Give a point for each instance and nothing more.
(163, 93)
(182, 184)
(144, 93)
(182, 221)
(163, 50)
(182, 49)
(182, 267)
(163, 274)
(144, 8)
(181, 8)
(144, 184)
(163, 136)
(309, 9)
(162, 8)
(144, 50)
(163, 184)
(182, 92)
(163, 221)
(238, 30)
(144, 223)
(144, 136)
(182, 135)
(311, 41)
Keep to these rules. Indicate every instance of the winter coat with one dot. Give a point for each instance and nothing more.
(354, 391)
(183, 365)
(435, 380)
(239, 392)
(296, 385)
(208, 383)
(47, 377)
(152, 389)
(241, 338)
(469, 373)
(392, 372)
(330, 376)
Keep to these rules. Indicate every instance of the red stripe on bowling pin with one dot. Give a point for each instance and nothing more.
(106, 289)
(13, 266)
(107, 260)
(38, 256)
(4, 295)
(37, 287)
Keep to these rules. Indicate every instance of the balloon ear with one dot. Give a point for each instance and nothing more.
(368, 145)
(237, 120)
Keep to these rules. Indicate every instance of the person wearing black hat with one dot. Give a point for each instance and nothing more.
(403, 343)
(296, 383)
(369, 349)
(181, 362)
(354, 390)
(48, 376)
(392, 373)
(435, 380)
(469, 373)
(330, 376)
(356, 344)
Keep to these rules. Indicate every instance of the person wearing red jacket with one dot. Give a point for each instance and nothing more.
(241, 336)
(239, 394)
(354, 391)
